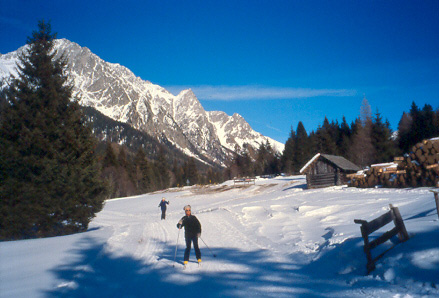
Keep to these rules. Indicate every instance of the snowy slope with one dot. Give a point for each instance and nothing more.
(271, 239)
(119, 94)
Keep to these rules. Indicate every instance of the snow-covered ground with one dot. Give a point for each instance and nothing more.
(273, 239)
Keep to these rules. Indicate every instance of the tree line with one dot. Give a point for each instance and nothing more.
(367, 140)
(131, 173)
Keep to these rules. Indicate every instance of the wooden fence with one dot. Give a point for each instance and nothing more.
(436, 198)
(368, 228)
(244, 180)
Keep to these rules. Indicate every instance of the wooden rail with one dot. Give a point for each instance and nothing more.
(436, 198)
(368, 228)
(244, 180)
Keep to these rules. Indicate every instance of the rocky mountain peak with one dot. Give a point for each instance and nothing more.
(119, 94)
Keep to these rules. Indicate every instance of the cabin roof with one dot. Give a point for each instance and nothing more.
(338, 161)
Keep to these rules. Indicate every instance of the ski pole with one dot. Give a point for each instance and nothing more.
(176, 245)
(214, 255)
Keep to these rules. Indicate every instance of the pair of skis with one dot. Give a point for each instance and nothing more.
(185, 266)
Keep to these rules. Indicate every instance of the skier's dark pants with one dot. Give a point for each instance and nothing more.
(164, 214)
(188, 248)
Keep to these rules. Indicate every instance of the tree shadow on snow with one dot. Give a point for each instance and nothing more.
(345, 264)
(232, 273)
(430, 212)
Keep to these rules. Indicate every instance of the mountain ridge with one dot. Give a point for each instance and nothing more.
(118, 93)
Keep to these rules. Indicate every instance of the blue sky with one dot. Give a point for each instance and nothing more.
(274, 62)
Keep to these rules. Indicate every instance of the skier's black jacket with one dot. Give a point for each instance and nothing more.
(191, 226)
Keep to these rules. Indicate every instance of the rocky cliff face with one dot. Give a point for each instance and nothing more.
(116, 92)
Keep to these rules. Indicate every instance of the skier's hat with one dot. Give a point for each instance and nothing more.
(187, 207)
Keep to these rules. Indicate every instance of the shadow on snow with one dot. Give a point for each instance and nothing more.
(336, 270)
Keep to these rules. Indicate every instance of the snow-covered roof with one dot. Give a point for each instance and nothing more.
(309, 163)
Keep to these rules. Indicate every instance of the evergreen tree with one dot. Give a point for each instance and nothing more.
(267, 161)
(404, 132)
(162, 173)
(287, 159)
(436, 121)
(178, 173)
(344, 141)
(122, 158)
(301, 152)
(244, 163)
(211, 176)
(312, 143)
(416, 129)
(325, 142)
(49, 177)
(262, 160)
(191, 171)
(416, 126)
(109, 156)
(429, 130)
(143, 172)
(381, 139)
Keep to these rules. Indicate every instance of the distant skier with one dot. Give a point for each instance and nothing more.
(162, 205)
(192, 230)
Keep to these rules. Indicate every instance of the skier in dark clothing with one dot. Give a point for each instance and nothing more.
(192, 230)
(162, 205)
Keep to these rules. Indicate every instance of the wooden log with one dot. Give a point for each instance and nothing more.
(428, 145)
(425, 149)
(430, 159)
(419, 153)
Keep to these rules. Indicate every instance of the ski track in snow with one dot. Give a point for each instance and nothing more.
(272, 239)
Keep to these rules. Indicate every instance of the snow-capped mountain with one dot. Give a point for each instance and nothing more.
(116, 92)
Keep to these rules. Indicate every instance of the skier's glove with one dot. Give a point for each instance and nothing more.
(198, 235)
(180, 224)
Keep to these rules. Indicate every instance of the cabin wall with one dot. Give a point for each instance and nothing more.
(324, 174)
(321, 167)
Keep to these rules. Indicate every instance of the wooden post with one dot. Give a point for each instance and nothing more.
(436, 198)
(399, 223)
(370, 262)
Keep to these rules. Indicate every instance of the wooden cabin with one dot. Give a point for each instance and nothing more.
(328, 170)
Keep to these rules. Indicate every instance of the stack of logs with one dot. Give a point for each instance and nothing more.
(420, 167)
